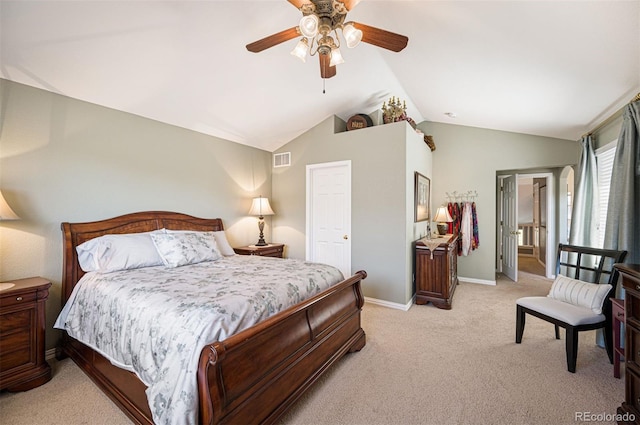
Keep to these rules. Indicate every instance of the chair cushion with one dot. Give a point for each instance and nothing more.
(579, 293)
(565, 312)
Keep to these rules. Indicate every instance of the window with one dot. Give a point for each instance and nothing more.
(604, 165)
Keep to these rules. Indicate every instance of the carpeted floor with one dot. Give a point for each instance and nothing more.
(530, 265)
(423, 366)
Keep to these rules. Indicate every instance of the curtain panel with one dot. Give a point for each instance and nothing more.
(584, 217)
(622, 230)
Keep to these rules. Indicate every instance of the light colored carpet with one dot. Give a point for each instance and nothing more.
(423, 366)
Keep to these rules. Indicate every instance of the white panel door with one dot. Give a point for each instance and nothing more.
(510, 227)
(329, 214)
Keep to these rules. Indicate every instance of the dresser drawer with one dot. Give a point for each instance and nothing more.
(632, 382)
(632, 351)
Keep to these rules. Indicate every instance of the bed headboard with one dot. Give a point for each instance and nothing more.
(75, 234)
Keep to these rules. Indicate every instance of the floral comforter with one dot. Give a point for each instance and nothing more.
(155, 321)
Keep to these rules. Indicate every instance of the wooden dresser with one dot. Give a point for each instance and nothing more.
(22, 331)
(629, 411)
(436, 270)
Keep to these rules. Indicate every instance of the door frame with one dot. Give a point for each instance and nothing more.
(551, 219)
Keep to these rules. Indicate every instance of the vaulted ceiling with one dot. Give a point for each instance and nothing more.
(550, 68)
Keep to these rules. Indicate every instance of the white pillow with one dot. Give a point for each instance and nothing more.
(223, 244)
(110, 253)
(577, 292)
(221, 240)
(182, 248)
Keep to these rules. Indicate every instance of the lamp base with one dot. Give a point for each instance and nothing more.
(442, 228)
(261, 241)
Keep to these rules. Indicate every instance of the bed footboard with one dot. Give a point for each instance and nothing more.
(254, 376)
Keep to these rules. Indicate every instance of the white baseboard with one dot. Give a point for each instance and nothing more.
(480, 281)
(389, 304)
(50, 354)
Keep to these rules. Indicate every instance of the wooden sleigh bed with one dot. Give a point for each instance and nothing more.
(251, 377)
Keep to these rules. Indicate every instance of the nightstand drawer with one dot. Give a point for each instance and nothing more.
(15, 349)
(11, 300)
(271, 250)
(12, 321)
(275, 251)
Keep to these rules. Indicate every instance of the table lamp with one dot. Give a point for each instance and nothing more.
(6, 213)
(261, 207)
(442, 217)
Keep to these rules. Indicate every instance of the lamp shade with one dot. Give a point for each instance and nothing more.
(442, 216)
(6, 213)
(309, 25)
(352, 35)
(260, 207)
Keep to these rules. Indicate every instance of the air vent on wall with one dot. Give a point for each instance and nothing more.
(281, 159)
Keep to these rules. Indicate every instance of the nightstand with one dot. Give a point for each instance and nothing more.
(22, 329)
(270, 250)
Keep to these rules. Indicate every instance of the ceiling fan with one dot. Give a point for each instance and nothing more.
(321, 18)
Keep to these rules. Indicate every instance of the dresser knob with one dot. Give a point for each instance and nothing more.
(637, 287)
(620, 314)
(18, 298)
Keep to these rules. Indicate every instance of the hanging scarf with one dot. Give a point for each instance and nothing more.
(450, 225)
(475, 243)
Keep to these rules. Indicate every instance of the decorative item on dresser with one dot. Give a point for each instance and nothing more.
(22, 331)
(629, 411)
(270, 250)
(436, 270)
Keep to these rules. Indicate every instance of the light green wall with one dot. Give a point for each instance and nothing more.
(468, 158)
(66, 160)
(382, 198)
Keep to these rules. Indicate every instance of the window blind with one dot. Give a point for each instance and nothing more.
(604, 166)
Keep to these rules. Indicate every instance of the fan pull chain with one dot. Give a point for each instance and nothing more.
(324, 80)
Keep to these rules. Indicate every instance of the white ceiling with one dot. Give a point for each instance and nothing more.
(550, 68)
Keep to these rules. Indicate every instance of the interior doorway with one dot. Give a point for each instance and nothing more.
(526, 235)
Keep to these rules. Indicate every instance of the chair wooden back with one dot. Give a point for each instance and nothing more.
(588, 264)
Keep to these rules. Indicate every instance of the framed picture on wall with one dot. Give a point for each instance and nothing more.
(422, 197)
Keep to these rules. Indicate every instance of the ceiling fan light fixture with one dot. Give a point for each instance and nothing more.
(336, 57)
(309, 25)
(300, 51)
(351, 35)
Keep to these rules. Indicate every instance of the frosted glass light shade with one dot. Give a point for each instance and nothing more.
(352, 35)
(300, 51)
(6, 213)
(336, 57)
(309, 25)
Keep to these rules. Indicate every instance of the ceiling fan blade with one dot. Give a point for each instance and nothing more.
(326, 71)
(272, 40)
(298, 3)
(382, 38)
(350, 4)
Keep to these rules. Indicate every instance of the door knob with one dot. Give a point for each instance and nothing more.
(345, 237)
